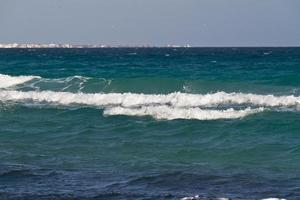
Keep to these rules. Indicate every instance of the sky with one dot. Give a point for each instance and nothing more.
(152, 22)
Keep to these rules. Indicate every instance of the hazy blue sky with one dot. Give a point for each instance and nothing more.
(155, 22)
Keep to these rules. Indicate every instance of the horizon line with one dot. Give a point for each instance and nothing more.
(78, 46)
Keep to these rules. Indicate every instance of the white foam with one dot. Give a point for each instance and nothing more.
(221, 98)
(8, 81)
(273, 199)
(161, 106)
(197, 197)
(171, 113)
(182, 100)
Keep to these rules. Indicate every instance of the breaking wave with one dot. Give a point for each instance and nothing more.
(197, 197)
(176, 105)
(170, 113)
(160, 106)
(177, 99)
(8, 81)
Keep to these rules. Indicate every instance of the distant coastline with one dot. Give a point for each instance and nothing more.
(69, 46)
(96, 46)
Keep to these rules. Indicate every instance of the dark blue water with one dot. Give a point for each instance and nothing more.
(153, 123)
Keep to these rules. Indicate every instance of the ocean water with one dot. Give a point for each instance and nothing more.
(152, 123)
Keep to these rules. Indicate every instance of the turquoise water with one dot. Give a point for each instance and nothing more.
(161, 123)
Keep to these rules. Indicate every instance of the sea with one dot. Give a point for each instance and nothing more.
(150, 123)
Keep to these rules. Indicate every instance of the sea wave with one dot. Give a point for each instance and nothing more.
(171, 113)
(159, 106)
(176, 105)
(177, 99)
(197, 197)
(8, 81)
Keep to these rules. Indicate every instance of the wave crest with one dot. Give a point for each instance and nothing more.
(159, 106)
(8, 81)
(181, 100)
(171, 113)
(170, 106)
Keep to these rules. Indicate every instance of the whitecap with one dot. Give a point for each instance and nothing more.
(273, 199)
(8, 81)
(171, 113)
(176, 99)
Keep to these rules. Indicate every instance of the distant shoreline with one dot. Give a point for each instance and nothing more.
(101, 46)
(78, 46)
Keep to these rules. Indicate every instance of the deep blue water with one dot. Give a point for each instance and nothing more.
(153, 123)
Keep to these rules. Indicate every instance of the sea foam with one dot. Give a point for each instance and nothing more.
(159, 106)
(8, 81)
(170, 106)
(180, 100)
(170, 113)
(197, 197)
